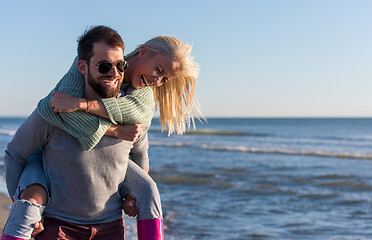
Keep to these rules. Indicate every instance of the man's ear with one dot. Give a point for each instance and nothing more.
(83, 67)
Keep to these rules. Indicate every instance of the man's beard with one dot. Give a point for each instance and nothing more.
(104, 92)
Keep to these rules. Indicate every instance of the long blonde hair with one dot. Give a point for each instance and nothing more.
(176, 98)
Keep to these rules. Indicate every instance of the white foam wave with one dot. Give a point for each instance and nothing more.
(169, 144)
(7, 132)
(307, 152)
(290, 152)
(319, 141)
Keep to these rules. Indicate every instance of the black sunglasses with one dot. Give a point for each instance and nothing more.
(105, 67)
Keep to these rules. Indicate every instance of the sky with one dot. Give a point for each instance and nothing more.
(262, 58)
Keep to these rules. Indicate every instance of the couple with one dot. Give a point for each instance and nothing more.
(83, 176)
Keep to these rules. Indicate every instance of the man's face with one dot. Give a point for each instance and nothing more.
(106, 85)
(151, 70)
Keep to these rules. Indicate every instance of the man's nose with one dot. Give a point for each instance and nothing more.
(114, 71)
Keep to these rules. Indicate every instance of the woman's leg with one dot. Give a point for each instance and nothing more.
(143, 189)
(30, 198)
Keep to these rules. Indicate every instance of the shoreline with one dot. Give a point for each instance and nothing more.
(5, 202)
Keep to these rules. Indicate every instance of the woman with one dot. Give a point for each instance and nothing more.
(163, 62)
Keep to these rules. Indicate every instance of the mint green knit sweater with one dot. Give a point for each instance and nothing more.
(136, 107)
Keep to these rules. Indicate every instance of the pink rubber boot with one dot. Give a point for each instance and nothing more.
(150, 229)
(7, 237)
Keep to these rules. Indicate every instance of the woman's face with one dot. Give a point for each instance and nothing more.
(149, 69)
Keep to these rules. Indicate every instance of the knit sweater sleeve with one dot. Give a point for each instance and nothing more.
(88, 128)
(135, 107)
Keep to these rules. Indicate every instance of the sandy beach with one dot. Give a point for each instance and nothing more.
(4, 210)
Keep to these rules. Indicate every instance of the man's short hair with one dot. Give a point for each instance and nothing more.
(94, 35)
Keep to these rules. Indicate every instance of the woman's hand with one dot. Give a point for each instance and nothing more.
(63, 102)
(38, 228)
(125, 132)
(129, 206)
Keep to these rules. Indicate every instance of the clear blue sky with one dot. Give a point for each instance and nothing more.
(263, 58)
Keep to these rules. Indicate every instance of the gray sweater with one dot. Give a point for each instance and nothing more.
(83, 184)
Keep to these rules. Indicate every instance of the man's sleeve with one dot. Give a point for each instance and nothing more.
(139, 152)
(31, 136)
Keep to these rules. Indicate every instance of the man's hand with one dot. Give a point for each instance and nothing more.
(125, 132)
(38, 228)
(63, 102)
(129, 206)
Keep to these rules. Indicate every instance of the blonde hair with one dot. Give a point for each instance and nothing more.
(176, 98)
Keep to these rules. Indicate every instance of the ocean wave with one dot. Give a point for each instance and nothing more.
(184, 180)
(316, 153)
(321, 141)
(169, 144)
(172, 176)
(353, 202)
(332, 176)
(288, 152)
(319, 196)
(278, 138)
(217, 132)
(347, 141)
(351, 185)
(7, 132)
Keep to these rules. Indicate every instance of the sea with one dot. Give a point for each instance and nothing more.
(258, 178)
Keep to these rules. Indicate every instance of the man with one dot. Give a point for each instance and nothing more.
(83, 184)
